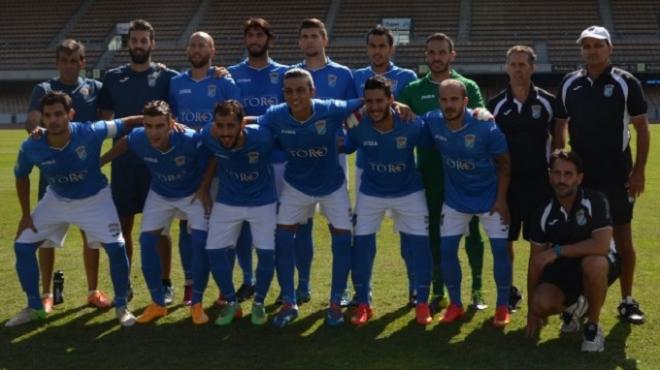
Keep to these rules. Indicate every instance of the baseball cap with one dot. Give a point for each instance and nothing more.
(595, 32)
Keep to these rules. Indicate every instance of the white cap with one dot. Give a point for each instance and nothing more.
(595, 32)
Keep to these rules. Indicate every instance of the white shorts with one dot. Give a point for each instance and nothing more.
(409, 213)
(278, 174)
(454, 223)
(226, 222)
(95, 215)
(159, 212)
(296, 207)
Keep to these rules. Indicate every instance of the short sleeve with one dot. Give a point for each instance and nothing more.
(496, 140)
(560, 108)
(536, 233)
(105, 96)
(476, 100)
(38, 93)
(23, 165)
(230, 90)
(107, 129)
(174, 105)
(352, 139)
(636, 103)
(600, 211)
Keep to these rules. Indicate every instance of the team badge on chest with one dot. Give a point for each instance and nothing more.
(274, 77)
(332, 80)
(536, 111)
(253, 157)
(211, 91)
(81, 151)
(152, 78)
(608, 90)
(180, 160)
(320, 127)
(469, 141)
(580, 218)
(401, 142)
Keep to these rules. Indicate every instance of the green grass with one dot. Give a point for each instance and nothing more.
(77, 337)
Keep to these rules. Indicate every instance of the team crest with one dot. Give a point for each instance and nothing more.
(180, 160)
(401, 142)
(580, 218)
(320, 127)
(211, 91)
(536, 111)
(114, 230)
(253, 157)
(608, 90)
(274, 77)
(152, 78)
(332, 80)
(82, 152)
(469, 141)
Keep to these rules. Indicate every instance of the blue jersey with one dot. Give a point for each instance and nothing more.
(72, 171)
(468, 160)
(260, 88)
(84, 96)
(332, 81)
(399, 77)
(193, 101)
(177, 172)
(389, 157)
(311, 146)
(246, 174)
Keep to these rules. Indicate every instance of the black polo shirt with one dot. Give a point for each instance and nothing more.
(554, 225)
(526, 126)
(599, 113)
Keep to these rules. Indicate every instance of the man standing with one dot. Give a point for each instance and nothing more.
(260, 81)
(126, 89)
(597, 103)
(69, 61)
(67, 154)
(422, 97)
(476, 173)
(524, 113)
(572, 252)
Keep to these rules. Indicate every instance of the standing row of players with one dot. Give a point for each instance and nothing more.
(522, 102)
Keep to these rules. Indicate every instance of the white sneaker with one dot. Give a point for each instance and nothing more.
(26, 315)
(593, 339)
(572, 316)
(125, 316)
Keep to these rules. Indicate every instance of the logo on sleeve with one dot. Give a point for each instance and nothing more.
(608, 90)
(469, 141)
(253, 157)
(82, 152)
(536, 111)
(332, 80)
(320, 127)
(401, 142)
(211, 91)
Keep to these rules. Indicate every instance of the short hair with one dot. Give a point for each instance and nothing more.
(70, 46)
(439, 36)
(453, 82)
(259, 23)
(531, 55)
(378, 82)
(54, 97)
(313, 23)
(299, 73)
(229, 107)
(569, 156)
(381, 30)
(142, 25)
(157, 108)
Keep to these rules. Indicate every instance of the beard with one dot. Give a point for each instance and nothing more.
(198, 63)
(139, 58)
(257, 52)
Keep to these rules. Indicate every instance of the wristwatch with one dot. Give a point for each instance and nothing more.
(557, 249)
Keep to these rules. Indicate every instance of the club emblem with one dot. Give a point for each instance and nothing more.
(469, 141)
(82, 152)
(253, 157)
(332, 80)
(580, 218)
(180, 160)
(211, 91)
(401, 142)
(274, 77)
(84, 91)
(152, 78)
(320, 127)
(536, 111)
(114, 230)
(608, 90)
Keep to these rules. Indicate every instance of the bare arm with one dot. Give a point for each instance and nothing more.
(503, 165)
(120, 147)
(23, 192)
(33, 120)
(637, 176)
(106, 114)
(597, 245)
(202, 192)
(133, 121)
(560, 134)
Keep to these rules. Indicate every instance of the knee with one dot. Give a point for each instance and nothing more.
(543, 305)
(595, 268)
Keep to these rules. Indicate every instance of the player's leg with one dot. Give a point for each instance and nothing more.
(46, 266)
(95, 297)
(199, 264)
(244, 257)
(304, 254)
(498, 234)
(186, 256)
(452, 226)
(434, 205)
(474, 246)
(262, 222)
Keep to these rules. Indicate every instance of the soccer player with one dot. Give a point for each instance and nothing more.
(422, 97)
(331, 81)
(126, 90)
(260, 81)
(524, 113)
(192, 96)
(597, 103)
(246, 194)
(67, 154)
(476, 173)
(572, 252)
(177, 163)
(69, 61)
(380, 49)
(390, 181)
(306, 129)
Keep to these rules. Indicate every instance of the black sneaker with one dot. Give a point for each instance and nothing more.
(244, 293)
(515, 297)
(630, 312)
(593, 339)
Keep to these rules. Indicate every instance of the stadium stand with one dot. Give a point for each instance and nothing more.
(636, 17)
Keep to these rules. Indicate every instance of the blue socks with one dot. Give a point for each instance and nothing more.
(451, 268)
(408, 259)
(304, 253)
(27, 269)
(341, 264)
(185, 249)
(244, 253)
(119, 270)
(265, 272)
(502, 270)
(285, 261)
(421, 263)
(220, 261)
(364, 252)
(200, 265)
(150, 267)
